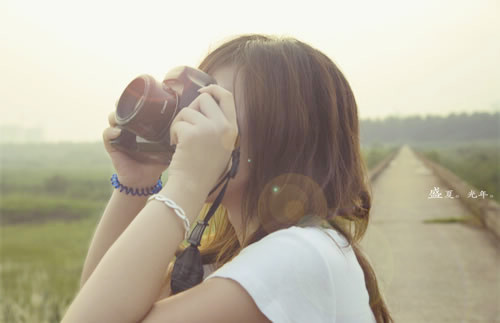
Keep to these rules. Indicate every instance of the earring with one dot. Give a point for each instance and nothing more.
(249, 160)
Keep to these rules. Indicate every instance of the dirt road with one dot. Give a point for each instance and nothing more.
(429, 272)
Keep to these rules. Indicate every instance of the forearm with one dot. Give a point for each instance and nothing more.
(119, 212)
(126, 282)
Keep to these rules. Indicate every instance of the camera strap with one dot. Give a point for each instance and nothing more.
(188, 267)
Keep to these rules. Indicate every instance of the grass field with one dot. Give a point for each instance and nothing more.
(476, 163)
(52, 197)
(41, 266)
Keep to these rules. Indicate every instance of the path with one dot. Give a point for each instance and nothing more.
(438, 272)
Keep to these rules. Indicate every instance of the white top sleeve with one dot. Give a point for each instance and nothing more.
(290, 276)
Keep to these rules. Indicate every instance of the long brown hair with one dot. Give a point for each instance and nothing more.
(303, 133)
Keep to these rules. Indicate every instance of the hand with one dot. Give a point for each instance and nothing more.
(130, 172)
(204, 133)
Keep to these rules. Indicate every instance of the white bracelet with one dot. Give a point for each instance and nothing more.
(178, 210)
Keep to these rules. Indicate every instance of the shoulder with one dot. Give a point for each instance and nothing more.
(313, 243)
(312, 236)
(301, 247)
(288, 274)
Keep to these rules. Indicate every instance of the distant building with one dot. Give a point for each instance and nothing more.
(12, 133)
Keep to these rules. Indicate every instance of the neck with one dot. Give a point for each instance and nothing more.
(233, 206)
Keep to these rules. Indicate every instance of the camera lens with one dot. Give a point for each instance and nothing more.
(131, 98)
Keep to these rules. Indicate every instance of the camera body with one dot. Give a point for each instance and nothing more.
(146, 108)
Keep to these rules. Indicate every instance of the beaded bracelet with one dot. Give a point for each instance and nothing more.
(136, 191)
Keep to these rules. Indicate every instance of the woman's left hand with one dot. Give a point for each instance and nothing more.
(205, 134)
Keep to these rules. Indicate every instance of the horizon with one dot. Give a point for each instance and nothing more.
(30, 132)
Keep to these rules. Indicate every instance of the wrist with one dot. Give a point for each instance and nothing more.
(188, 194)
(137, 188)
(188, 183)
(143, 182)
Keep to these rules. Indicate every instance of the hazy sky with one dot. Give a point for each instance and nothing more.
(65, 63)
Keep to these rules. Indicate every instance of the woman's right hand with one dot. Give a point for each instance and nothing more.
(130, 172)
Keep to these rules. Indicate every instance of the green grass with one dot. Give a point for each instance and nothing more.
(477, 164)
(18, 208)
(40, 268)
(471, 220)
(52, 196)
(452, 219)
(376, 153)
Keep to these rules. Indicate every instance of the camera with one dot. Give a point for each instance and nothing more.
(146, 108)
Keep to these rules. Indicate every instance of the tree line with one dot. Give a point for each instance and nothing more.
(431, 129)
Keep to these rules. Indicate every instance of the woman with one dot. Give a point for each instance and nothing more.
(270, 255)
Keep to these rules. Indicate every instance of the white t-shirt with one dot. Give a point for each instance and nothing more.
(299, 274)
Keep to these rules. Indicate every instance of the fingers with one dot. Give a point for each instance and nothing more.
(206, 105)
(190, 115)
(109, 134)
(180, 127)
(225, 99)
(186, 115)
(111, 119)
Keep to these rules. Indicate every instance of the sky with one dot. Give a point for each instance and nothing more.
(65, 63)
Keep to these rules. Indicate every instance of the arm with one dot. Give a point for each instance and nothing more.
(120, 211)
(127, 280)
(215, 300)
(121, 208)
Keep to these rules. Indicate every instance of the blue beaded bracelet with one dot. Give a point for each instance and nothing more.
(135, 191)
